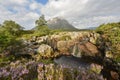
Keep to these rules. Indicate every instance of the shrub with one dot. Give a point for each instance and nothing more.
(112, 34)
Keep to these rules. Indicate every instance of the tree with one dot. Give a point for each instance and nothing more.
(41, 26)
(5, 40)
(9, 30)
(41, 21)
(12, 27)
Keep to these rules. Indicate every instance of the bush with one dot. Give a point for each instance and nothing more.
(43, 30)
(6, 40)
(11, 27)
(112, 32)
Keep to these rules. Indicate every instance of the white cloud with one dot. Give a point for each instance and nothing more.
(84, 13)
(80, 13)
(35, 5)
(20, 11)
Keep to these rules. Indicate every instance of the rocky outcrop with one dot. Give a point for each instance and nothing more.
(89, 49)
(78, 49)
(73, 55)
(64, 43)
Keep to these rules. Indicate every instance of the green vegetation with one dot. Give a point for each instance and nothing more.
(5, 60)
(9, 31)
(11, 27)
(111, 31)
(41, 28)
(5, 40)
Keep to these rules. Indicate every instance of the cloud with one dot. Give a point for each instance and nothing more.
(24, 12)
(35, 6)
(83, 13)
(80, 13)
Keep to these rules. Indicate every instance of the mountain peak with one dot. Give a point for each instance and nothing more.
(60, 23)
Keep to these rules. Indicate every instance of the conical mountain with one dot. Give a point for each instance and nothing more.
(60, 23)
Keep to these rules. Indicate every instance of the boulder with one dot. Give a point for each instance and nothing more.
(85, 49)
(78, 49)
(45, 50)
(91, 48)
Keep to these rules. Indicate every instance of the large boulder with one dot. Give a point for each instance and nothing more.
(89, 49)
(85, 49)
(45, 50)
(78, 49)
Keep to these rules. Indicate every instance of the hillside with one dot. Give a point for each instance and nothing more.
(59, 23)
(111, 33)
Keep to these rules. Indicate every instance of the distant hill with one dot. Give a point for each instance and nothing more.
(59, 23)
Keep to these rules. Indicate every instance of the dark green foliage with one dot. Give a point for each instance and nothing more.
(5, 60)
(40, 22)
(11, 27)
(41, 28)
(42, 31)
(9, 31)
(5, 40)
(112, 33)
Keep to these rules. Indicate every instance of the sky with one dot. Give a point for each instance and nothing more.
(80, 13)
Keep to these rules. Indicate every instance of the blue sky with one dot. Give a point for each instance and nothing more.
(81, 14)
(42, 1)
